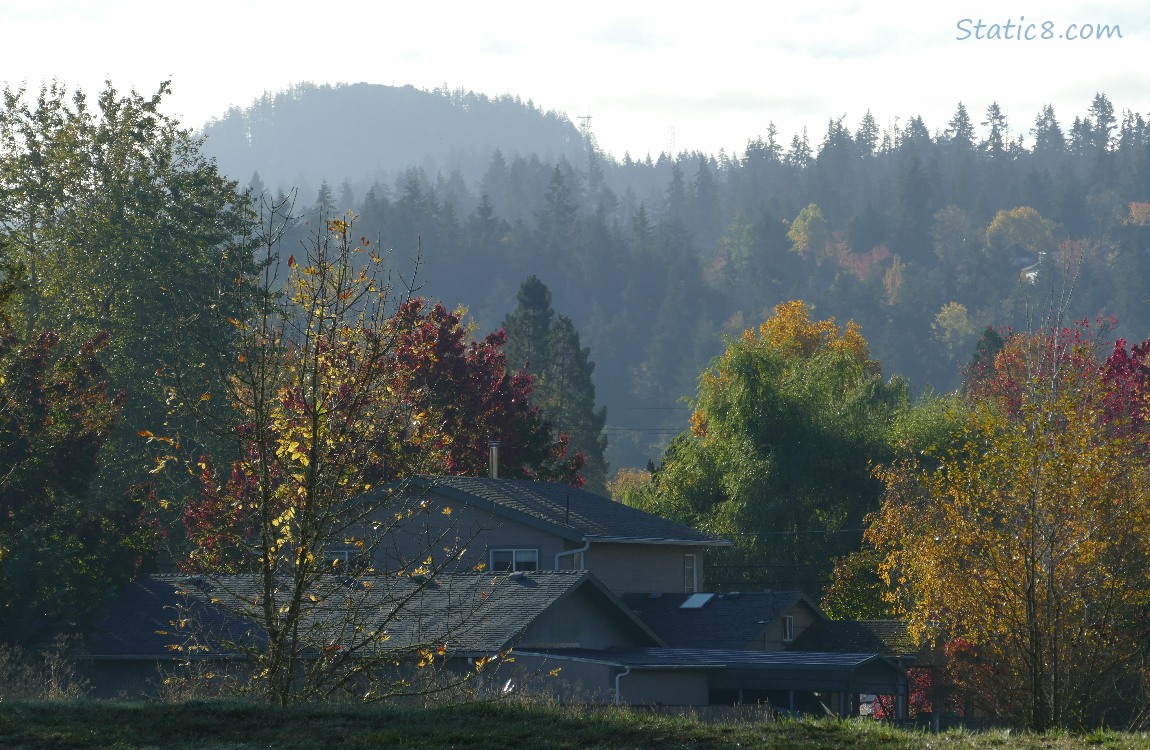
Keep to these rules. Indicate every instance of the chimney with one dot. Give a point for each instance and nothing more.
(493, 459)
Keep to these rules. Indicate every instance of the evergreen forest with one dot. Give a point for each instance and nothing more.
(924, 234)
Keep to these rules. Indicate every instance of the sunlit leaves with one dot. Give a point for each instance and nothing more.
(1026, 535)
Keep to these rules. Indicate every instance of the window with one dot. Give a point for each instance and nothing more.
(510, 560)
(788, 628)
(347, 562)
(690, 573)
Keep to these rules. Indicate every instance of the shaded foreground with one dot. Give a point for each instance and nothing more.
(243, 725)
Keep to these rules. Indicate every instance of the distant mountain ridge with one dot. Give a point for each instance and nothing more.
(365, 133)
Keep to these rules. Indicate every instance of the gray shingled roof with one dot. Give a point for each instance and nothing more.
(470, 613)
(570, 512)
(725, 658)
(771, 670)
(889, 637)
(727, 621)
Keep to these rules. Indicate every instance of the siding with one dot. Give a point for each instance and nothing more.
(583, 620)
(641, 568)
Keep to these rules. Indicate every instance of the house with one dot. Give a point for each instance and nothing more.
(519, 525)
(164, 623)
(744, 621)
(767, 640)
(605, 600)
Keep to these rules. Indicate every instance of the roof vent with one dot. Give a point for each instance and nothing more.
(493, 459)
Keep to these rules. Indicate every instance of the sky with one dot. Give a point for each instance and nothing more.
(652, 76)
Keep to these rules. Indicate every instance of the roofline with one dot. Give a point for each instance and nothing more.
(615, 662)
(836, 662)
(497, 508)
(656, 540)
(424, 482)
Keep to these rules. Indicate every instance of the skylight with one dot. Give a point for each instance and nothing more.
(696, 601)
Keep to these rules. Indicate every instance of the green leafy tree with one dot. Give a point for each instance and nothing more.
(63, 545)
(122, 226)
(784, 428)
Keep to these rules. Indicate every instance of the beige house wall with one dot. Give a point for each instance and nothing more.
(583, 620)
(440, 527)
(666, 687)
(642, 568)
(803, 616)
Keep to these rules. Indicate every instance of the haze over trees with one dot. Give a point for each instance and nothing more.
(921, 233)
(145, 346)
(715, 277)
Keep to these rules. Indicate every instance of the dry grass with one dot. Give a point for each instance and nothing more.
(234, 724)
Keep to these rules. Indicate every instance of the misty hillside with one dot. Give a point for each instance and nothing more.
(924, 234)
(367, 132)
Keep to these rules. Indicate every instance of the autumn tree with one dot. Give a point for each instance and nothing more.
(122, 226)
(465, 395)
(785, 425)
(344, 386)
(63, 545)
(1026, 538)
(315, 419)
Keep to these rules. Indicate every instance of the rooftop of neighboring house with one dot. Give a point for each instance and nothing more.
(714, 621)
(887, 637)
(572, 513)
(169, 616)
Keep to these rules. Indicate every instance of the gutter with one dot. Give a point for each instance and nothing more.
(670, 542)
(584, 548)
(618, 678)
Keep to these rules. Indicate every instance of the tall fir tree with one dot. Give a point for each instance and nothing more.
(548, 346)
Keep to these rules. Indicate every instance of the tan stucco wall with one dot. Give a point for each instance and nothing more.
(804, 618)
(669, 688)
(641, 568)
(583, 620)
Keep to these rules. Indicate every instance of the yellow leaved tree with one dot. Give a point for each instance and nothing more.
(1025, 540)
(284, 533)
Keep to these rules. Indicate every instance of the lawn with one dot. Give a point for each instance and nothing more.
(236, 725)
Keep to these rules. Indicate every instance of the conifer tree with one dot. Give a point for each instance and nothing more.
(548, 347)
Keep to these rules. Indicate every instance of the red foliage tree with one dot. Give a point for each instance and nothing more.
(466, 391)
(63, 544)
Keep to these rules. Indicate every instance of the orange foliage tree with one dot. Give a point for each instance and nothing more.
(785, 425)
(1027, 536)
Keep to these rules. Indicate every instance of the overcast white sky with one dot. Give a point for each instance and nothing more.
(708, 75)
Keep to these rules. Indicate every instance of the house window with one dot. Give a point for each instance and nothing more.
(347, 562)
(788, 628)
(690, 573)
(510, 560)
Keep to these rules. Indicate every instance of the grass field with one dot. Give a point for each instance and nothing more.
(235, 725)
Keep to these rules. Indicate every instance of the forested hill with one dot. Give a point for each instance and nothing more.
(924, 234)
(365, 132)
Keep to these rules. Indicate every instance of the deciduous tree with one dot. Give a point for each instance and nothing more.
(784, 427)
(1026, 538)
(63, 545)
